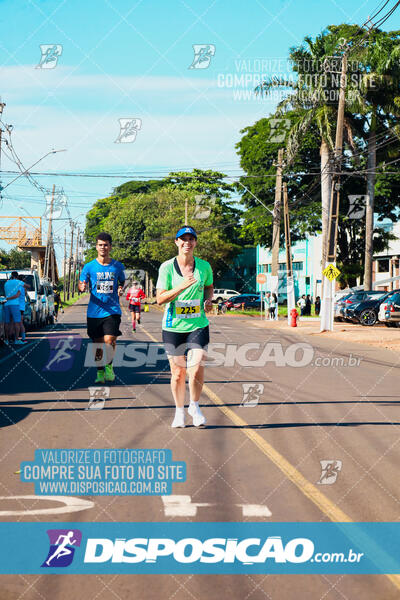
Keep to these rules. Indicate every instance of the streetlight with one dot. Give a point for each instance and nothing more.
(29, 168)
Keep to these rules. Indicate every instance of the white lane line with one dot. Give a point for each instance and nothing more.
(70, 505)
(181, 506)
(255, 510)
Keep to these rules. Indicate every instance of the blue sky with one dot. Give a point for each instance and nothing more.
(127, 59)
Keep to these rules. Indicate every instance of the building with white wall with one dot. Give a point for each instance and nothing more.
(307, 272)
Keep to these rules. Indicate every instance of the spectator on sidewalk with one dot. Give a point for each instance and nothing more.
(307, 310)
(57, 303)
(301, 303)
(317, 305)
(272, 306)
(12, 313)
(23, 287)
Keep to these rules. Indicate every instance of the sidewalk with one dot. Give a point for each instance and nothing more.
(378, 335)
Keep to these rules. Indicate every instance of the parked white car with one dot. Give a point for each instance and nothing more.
(383, 307)
(223, 294)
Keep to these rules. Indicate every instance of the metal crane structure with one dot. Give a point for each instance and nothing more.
(26, 234)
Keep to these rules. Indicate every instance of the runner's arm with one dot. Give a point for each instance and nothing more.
(83, 279)
(208, 294)
(165, 296)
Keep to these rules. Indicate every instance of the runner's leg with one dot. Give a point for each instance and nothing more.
(195, 367)
(178, 379)
(99, 358)
(196, 358)
(111, 344)
(178, 385)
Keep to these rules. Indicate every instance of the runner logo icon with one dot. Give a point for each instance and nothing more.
(62, 352)
(203, 54)
(62, 547)
(251, 393)
(329, 471)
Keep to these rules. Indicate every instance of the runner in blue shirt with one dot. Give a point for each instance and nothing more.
(104, 277)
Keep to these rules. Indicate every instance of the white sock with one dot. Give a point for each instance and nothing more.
(194, 405)
(180, 410)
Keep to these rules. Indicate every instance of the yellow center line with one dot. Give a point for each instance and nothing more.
(329, 508)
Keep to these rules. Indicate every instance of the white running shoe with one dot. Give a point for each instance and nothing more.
(198, 417)
(179, 420)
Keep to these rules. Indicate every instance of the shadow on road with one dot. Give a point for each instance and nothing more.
(287, 425)
(11, 415)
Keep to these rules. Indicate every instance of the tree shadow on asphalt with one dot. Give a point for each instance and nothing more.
(32, 375)
(11, 415)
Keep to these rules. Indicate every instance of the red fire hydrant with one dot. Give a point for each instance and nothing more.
(294, 315)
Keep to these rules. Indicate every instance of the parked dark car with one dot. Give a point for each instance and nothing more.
(363, 307)
(248, 300)
(339, 304)
(393, 310)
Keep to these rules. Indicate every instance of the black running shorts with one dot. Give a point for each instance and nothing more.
(97, 328)
(177, 343)
(134, 308)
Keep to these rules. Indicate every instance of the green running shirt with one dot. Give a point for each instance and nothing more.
(186, 312)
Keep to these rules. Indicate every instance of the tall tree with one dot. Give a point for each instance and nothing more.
(312, 99)
(376, 96)
(258, 155)
(144, 223)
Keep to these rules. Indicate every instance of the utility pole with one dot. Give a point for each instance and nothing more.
(329, 286)
(52, 265)
(2, 105)
(289, 267)
(276, 228)
(70, 259)
(49, 238)
(370, 201)
(65, 264)
(74, 278)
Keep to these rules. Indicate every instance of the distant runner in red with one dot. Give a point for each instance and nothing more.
(134, 296)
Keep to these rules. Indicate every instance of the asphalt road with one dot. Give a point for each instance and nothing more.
(264, 454)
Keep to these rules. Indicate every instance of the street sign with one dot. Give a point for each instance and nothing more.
(261, 278)
(331, 272)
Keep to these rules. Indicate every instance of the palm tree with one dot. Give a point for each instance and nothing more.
(312, 106)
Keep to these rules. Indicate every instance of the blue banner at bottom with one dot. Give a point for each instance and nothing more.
(226, 548)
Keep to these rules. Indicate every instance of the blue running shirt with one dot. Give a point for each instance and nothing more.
(11, 287)
(103, 285)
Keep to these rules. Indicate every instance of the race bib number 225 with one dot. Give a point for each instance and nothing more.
(189, 309)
